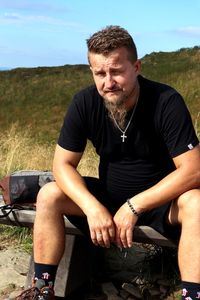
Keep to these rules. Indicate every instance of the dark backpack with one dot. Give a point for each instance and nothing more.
(23, 186)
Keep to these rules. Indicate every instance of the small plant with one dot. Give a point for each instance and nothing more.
(159, 270)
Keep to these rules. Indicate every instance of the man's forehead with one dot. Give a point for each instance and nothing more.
(98, 61)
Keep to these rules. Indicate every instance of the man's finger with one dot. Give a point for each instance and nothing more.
(111, 232)
(117, 238)
(106, 239)
(129, 237)
(99, 236)
(123, 238)
(93, 237)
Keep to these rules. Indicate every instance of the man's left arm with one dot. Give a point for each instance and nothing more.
(185, 177)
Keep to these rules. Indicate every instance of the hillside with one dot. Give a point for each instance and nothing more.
(37, 98)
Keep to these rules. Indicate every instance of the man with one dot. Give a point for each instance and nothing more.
(149, 171)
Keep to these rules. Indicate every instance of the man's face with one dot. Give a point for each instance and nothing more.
(115, 76)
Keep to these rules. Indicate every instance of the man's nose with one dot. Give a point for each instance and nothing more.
(109, 81)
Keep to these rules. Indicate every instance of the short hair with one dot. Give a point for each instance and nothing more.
(111, 38)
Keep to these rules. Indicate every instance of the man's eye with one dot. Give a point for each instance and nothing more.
(100, 74)
(116, 72)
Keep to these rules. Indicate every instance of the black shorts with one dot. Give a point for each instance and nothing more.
(155, 218)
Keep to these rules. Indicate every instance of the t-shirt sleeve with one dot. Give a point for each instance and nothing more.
(73, 135)
(177, 127)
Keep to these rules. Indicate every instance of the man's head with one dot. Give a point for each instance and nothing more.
(111, 38)
(113, 61)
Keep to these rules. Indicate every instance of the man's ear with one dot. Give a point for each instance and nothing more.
(138, 66)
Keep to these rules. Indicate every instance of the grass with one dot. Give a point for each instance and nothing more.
(16, 236)
(197, 125)
(18, 151)
(37, 98)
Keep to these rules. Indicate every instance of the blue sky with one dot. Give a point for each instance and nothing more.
(52, 33)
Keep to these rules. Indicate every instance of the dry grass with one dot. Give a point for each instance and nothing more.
(197, 125)
(18, 151)
(88, 165)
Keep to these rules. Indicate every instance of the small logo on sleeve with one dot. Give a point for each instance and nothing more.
(190, 146)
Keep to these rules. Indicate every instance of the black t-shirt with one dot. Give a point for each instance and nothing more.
(161, 129)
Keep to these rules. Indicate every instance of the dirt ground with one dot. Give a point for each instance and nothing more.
(14, 264)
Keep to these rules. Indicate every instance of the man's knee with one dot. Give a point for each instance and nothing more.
(49, 196)
(189, 204)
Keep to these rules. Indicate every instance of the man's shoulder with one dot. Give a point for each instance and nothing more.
(156, 87)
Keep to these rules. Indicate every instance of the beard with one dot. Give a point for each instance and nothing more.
(117, 111)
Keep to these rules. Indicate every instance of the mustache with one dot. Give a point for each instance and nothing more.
(112, 89)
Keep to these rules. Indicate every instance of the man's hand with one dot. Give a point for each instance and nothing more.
(124, 221)
(102, 228)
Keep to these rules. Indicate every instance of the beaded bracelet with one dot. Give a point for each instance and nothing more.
(132, 208)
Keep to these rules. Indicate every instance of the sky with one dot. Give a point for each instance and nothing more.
(53, 33)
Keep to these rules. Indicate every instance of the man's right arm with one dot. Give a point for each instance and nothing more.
(72, 184)
(68, 179)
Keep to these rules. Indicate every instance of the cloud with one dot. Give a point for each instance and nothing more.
(42, 5)
(57, 23)
(189, 31)
(10, 17)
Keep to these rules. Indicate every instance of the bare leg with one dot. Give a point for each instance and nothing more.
(186, 211)
(49, 234)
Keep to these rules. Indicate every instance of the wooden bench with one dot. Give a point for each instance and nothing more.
(72, 270)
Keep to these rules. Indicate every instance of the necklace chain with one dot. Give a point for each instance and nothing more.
(124, 136)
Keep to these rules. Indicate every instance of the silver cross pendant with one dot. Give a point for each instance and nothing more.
(123, 136)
